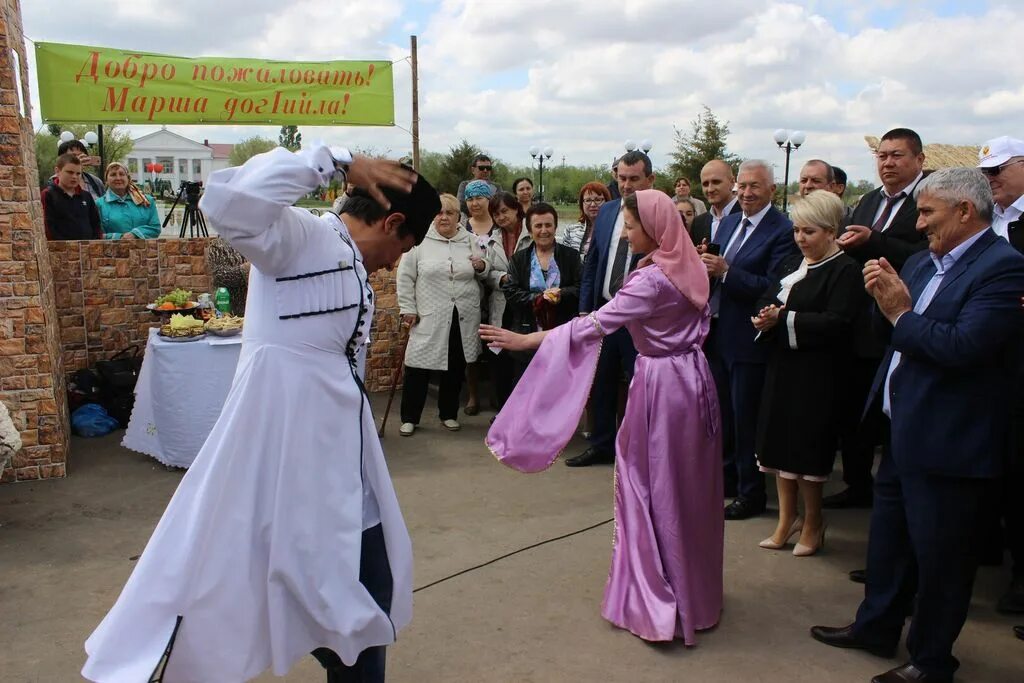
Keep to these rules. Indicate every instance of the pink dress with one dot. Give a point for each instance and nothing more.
(665, 580)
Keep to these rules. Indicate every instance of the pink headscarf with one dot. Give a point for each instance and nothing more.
(676, 255)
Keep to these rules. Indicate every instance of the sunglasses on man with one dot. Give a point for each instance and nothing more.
(994, 171)
(483, 168)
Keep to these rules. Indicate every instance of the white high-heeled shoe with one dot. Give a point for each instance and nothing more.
(801, 550)
(795, 528)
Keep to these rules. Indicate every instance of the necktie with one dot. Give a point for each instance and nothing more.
(619, 266)
(738, 242)
(730, 254)
(887, 211)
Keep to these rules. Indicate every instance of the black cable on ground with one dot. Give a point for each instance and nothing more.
(514, 552)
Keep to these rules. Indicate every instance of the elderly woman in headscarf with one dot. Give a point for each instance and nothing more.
(666, 572)
(125, 212)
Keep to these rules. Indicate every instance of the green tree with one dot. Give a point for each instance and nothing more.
(705, 141)
(455, 167)
(117, 144)
(248, 148)
(290, 138)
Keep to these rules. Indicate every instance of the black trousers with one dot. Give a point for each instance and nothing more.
(617, 358)
(858, 438)
(414, 387)
(375, 575)
(921, 543)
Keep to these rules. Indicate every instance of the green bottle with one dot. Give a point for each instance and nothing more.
(222, 301)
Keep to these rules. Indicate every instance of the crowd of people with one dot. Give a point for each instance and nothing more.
(757, 343)
(815, 346)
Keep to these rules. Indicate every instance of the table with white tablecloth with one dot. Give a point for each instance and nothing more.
(181, 389)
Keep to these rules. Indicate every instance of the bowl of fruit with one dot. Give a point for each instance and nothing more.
(177, 301)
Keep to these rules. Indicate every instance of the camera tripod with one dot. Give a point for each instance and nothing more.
(192, 219)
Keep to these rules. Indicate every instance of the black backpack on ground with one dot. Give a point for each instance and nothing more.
(118, 376)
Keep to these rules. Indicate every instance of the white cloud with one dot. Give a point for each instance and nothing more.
(583, 76)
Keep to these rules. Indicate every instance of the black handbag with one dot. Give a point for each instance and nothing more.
(118, 376)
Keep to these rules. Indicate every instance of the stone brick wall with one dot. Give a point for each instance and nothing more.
(383, 356)
(31, 375)
(102, 288)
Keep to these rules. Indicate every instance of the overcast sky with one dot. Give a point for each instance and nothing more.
(584, 76)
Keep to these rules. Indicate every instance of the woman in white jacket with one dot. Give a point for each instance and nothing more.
(439, 285)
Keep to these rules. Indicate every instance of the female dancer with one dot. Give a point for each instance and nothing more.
(666, 572)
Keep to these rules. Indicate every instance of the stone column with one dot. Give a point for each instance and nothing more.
(31, 375)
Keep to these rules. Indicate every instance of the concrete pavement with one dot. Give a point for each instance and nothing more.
(66, 548)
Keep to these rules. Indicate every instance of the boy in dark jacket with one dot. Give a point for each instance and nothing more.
(69, 212)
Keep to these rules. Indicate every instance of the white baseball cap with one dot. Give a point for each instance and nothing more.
(1000, 150)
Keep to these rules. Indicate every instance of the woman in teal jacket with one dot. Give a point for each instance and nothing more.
(126, 213)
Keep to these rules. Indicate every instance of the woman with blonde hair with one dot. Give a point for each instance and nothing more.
(125, 212)
(805, 317)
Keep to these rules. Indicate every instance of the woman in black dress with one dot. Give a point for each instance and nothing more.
(806, 317)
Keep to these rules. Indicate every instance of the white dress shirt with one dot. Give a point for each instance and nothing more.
(754, 221)
(1002, 218)
(716, 218)
(907, 192)
(613, 246)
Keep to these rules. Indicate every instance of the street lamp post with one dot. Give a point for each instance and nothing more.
(788, 141)
(644, 146)
(541, 155)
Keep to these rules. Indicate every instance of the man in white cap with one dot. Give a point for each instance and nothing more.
(1002, 162)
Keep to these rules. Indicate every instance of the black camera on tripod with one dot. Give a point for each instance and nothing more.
(192, 220)
(192, 190)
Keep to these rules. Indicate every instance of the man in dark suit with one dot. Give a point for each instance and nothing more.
(1002, 162)
(946, 384)
(816, 175)
(717, 182)
(754, 243)
(839, 188)
(608, 262)
(882, 226)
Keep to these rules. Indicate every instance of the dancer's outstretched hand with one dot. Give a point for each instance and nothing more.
(500, 338)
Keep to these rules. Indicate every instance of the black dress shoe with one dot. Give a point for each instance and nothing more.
(848, 498)
(742, 508)
(1019, 632)
(591, 456)
(1012, 601)
(859, 576)
(908, 673)
(844, 637)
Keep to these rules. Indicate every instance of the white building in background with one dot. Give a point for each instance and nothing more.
(182, 159)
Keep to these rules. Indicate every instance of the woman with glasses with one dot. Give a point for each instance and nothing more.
(592, 197)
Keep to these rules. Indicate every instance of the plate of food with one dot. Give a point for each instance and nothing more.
(182, 328)
(226, 326)
(177, 301)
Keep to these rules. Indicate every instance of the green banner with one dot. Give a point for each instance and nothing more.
(84, 84)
